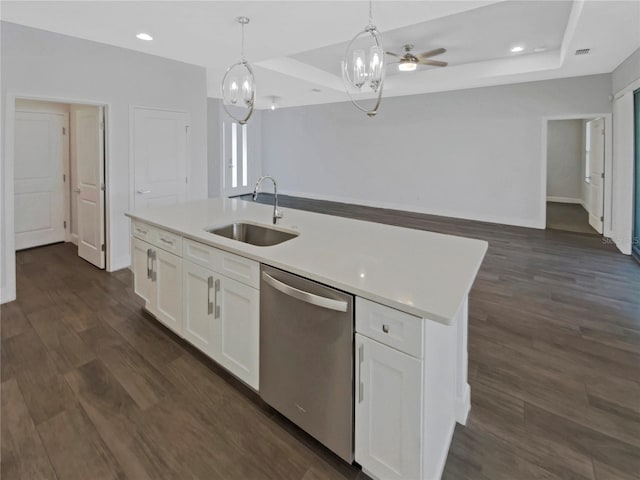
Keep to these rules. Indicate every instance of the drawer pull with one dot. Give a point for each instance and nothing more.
(385, 328)
(169, 242)
(139, 230)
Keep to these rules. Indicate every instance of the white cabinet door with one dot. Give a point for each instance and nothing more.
(388, 414)
(237, 333)
(168, 281)
(142, 263)
(198, 307)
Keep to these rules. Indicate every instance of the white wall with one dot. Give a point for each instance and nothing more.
(472, 154)
(564, 160)
(214, 150)
(626, 73)
(44, 64)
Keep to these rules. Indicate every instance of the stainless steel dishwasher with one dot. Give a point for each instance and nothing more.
(306, 356)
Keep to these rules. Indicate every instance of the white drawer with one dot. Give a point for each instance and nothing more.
(169, 241)
(394, 328)
(143, 231)
(227, 264)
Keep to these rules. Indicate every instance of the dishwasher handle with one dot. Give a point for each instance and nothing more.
(313, 299)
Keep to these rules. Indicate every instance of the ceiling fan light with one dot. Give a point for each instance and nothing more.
(407, 66)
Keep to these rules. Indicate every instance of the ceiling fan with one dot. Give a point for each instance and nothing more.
(409, 62)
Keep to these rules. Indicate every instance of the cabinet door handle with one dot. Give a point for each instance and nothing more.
(209, 302)
(154, 274)
(215, 299)
(170, 242)
(360, 383)
(149, 266)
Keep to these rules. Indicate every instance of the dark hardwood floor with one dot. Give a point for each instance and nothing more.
(93, 388)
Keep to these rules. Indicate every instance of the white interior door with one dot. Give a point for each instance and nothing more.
(39, 184)
(89, 148)
(596, 174)
(160, 145)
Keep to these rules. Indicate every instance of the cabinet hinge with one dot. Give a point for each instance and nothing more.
(64, 131)
(64, 224)
(602, 219)
(64, 177)
(602, 174)
(103, 247)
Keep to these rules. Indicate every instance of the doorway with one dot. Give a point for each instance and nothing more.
(576, 154)
(59, 177)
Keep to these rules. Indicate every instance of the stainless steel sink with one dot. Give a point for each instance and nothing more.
(254, 234)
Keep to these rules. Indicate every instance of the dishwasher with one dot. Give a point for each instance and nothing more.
(306, 356)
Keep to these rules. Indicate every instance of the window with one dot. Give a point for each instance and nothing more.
(239, 172)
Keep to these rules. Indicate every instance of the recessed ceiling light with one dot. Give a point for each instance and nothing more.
(317, 90)
(517, 49)
(144, 36)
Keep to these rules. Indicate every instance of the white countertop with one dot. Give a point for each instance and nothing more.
(422, 273)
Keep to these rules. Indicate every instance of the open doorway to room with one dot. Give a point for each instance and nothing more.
(59, 177)
(576, 153)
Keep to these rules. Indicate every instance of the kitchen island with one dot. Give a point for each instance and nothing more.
(411, 290)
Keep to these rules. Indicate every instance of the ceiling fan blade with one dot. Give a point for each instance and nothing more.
(432, 53)
(434, 63)
(393, 54)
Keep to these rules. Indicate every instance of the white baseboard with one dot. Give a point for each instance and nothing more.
(565, 200)
(119, 264)
(74, 238)
(463, 406)
(518, 222)
(6, 295)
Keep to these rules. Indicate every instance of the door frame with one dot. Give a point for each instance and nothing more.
(608, 167)
(8, 292)
(132, 166)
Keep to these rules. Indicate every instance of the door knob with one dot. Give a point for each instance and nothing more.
(142, 192)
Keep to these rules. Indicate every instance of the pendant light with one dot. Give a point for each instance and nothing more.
(363, 67)
(239, 86)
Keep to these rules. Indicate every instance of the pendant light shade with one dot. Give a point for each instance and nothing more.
(363, 68)
(239, 86)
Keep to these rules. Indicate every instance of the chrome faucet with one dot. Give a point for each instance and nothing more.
(276, 213)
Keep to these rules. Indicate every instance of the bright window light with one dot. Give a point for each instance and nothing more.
(144, 36)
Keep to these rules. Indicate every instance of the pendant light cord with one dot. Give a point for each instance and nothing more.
(242, 43)
(370, 12)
